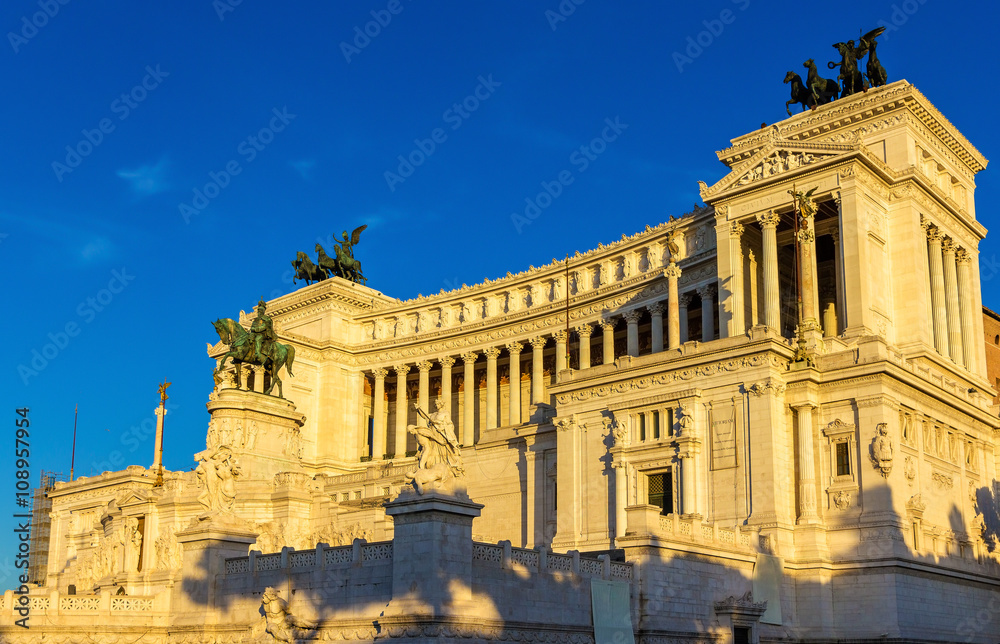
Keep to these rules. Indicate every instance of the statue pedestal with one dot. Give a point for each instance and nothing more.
(432, 554)
(262, 431)
(206, 546)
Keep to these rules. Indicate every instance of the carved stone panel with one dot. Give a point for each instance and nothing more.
(722, 425)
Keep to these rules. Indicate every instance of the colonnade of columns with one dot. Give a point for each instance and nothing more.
(675, 308)
(746, 297)
(952, 298)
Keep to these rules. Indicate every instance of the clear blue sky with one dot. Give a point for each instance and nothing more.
(179, 88)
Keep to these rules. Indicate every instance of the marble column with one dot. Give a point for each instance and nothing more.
(446, 364)
(378, 413)
(514, 391)
(938, 304)
(562, 342)
(399, 449)
(621, 490)
(967, 308)
(160, 412)
(673, 273)
(707, 294)
(754, 302)
(537, 370)
(841, 303)
(491, 386)
(772, 303)
(469, 398)
(738, 326)
(807, 257)
(807, 468)
(687, 484)
(608, 329)
(423, 397)
(583, 333)
(683, 302)
(948, 247)
(632, 335)
(656, 326)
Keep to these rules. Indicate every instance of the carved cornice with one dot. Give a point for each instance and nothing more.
(679, 375)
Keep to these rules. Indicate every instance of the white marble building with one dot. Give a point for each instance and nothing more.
(648, 402)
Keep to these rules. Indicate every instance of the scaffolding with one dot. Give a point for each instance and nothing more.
(41, 525)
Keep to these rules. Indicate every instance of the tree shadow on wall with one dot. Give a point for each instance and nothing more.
(987, 505)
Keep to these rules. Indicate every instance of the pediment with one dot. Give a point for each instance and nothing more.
(132, 497)
(777, 158)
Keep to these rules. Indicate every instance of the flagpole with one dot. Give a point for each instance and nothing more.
(567, 311)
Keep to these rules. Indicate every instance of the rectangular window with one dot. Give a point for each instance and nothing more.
(843, 460)
(656, 425)
(661, 491)
(641, 421)
(741, 635)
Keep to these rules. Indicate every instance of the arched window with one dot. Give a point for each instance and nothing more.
(996, 339)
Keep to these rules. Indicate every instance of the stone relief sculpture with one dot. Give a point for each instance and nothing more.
(279, 622)
(685, 423)
(881, 449)
(168, 552)
(217, 472)
(842, 500)
(440, 457)
(134, 545)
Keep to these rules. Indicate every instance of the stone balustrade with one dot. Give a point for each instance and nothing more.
(319, 558)
(677, 531)
(101, 608)
(503, 555)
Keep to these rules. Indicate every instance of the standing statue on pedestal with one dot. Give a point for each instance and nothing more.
(258, 347)
(440, 456)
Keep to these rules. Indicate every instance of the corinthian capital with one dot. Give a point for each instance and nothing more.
(736, 229)
(672, 272)
(492, 353)
(769, 219)
(514, 347)
(632, 317)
